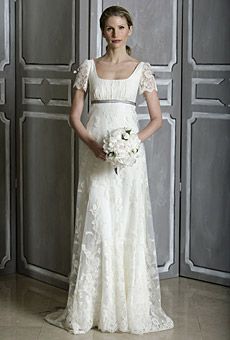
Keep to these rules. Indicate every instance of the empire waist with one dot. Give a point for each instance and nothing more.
(104, 101)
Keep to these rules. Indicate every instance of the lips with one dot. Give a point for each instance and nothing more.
(116, 41)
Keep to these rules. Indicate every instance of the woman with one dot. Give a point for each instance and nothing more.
(114, 281)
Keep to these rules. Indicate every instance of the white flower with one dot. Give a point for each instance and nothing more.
(117, 133)
(121, 147)
(125, 135)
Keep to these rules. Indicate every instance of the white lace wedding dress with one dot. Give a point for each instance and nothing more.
(114, 280)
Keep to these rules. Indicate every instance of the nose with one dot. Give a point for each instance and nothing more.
(115, 33)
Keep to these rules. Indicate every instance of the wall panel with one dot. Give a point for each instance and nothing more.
(205, 217)
(7, 138)
(47, 53)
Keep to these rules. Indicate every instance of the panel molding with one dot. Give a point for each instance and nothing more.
(52, 116)
(6, 60)
(7, 256)
(192, 266)
(43, 67)
(172, 123)
(191, 60)
(51, 81)
(59, 102)
(32, 81)
(2, 91)
(168, 83)
(197, 101)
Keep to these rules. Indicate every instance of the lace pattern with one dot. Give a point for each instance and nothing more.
(147, 81)
(82, 74)
(114, 282)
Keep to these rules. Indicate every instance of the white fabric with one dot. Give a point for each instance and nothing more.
(114, 280)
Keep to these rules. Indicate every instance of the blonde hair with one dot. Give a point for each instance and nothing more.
(116, 11)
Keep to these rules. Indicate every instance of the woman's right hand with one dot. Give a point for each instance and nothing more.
(97, 149)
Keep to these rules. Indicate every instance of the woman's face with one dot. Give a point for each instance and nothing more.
(116, 31)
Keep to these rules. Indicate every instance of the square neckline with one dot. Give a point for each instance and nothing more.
(133, 72)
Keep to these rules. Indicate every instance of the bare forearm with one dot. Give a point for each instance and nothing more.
(80, 129)
(149, 129)
(82, 132)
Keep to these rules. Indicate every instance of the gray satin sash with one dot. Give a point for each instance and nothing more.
(98, 101)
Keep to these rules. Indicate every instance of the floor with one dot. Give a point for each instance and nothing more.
(201, 311)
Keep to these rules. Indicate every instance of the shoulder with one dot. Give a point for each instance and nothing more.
(97, 59)
(146, 65)
(82, 75)
(147, 80)
(134, 60)
(85, 62)
(83, 66)
(147, 69)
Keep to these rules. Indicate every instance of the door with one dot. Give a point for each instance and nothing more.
(205, 197)
(47, 150)
(7, 138)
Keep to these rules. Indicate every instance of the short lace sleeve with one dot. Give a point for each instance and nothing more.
(147, 81)
(82, 74)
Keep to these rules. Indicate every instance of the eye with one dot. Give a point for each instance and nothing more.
(108, 28)
(121, 27)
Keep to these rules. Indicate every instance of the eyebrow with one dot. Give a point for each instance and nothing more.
(112, 26)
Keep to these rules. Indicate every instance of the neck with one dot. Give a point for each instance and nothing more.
(116, 55)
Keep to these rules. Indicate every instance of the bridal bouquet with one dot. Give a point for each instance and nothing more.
(121, 147)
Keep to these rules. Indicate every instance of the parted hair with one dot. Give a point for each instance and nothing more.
(116, 11)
